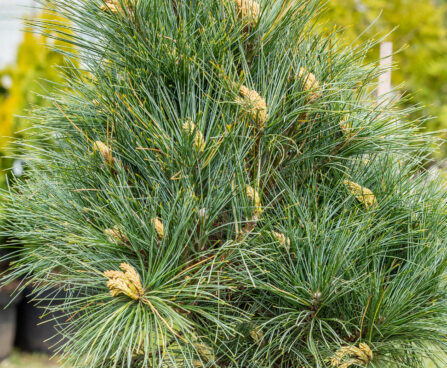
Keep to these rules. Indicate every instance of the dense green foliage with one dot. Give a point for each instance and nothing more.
(265, 212)
(418, 30)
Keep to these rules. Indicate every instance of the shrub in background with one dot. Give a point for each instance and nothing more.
(31, 78)
(419, 34)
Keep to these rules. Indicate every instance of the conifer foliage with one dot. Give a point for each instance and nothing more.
(223, 191)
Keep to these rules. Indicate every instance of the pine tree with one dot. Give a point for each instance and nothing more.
(224, 191)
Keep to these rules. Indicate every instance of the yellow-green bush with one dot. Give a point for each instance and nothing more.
(418, 30)
(33, 76)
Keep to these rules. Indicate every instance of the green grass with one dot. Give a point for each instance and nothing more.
(20, 360)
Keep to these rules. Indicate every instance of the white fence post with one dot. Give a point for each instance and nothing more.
(386, 60)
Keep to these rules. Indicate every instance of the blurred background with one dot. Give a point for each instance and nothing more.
(416, 28)
(11, 27)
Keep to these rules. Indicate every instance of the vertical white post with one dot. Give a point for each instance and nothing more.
(34, 8)
(386, 60)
